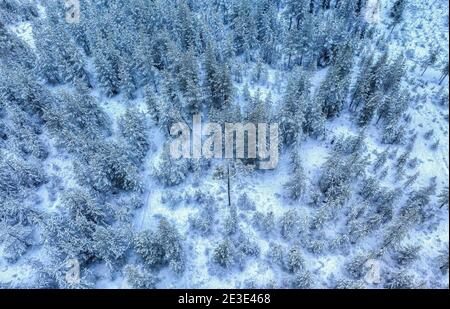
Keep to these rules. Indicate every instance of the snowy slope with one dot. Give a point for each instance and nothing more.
(424, 28)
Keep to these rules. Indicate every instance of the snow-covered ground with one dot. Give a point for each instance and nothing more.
(424, 28)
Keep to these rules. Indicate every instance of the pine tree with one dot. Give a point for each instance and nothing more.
(302, 280)
(16, 240)
(243, 26)
(361, 90)
(442, 261)
(314, 124)
(70, 233)
(169, 171)
(295, 11)
(231, 221)
(430, 60)
(333, 91)
(400, 280)
(161, 248)
(295, 187)
(224, 254)
(393, 74)
(189, 83)
(391, 111)
(133, 128)
(393, 133)
(356, 266)
(169, 109)
(17, 174)
(369, 109)
(264, 222)
(291, 225)
(411, 180)
(106, 64)
(405, 255)
(111, 244)
(218, 80)
(186, 26)
(258, 110)
(126, 79)
(396, 13)
(204, 221)
(266, 28)
(380, 160)
(139, 278)
(246, 93)
(162, 50)
(294, 106)
(108, 166)
(276, 254)
(153, 105)
(294, 260)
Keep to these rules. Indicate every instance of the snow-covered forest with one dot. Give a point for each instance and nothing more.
(91, 198)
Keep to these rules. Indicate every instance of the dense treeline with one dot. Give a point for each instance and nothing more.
(183, 57)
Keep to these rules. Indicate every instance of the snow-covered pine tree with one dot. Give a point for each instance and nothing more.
(267, 29)
(16, 239)
(393, 74)
(161, 248)
(294, 260)
(295, 11)
(430, 60)
(186, 26)
(264, 222)
(291, 224)
(203, 222)
(140, 278)
(369, 109)
(362, 90)
(153, 105)
(133, 127)
(106, 62)
(219, 88)
(224, 253)
(231, 224)
(296, 185)
(188, 78)
(381, 160)
(334, 89)
(294, 106)
(396, 13)
(169, 171)
(243, 26)
(407, 254)
(126, 82)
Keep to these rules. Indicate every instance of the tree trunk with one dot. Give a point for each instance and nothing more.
(443, 78)
(379, 118)
(392, 30)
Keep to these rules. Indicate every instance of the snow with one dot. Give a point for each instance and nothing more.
(24, 31)
(422, 31)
